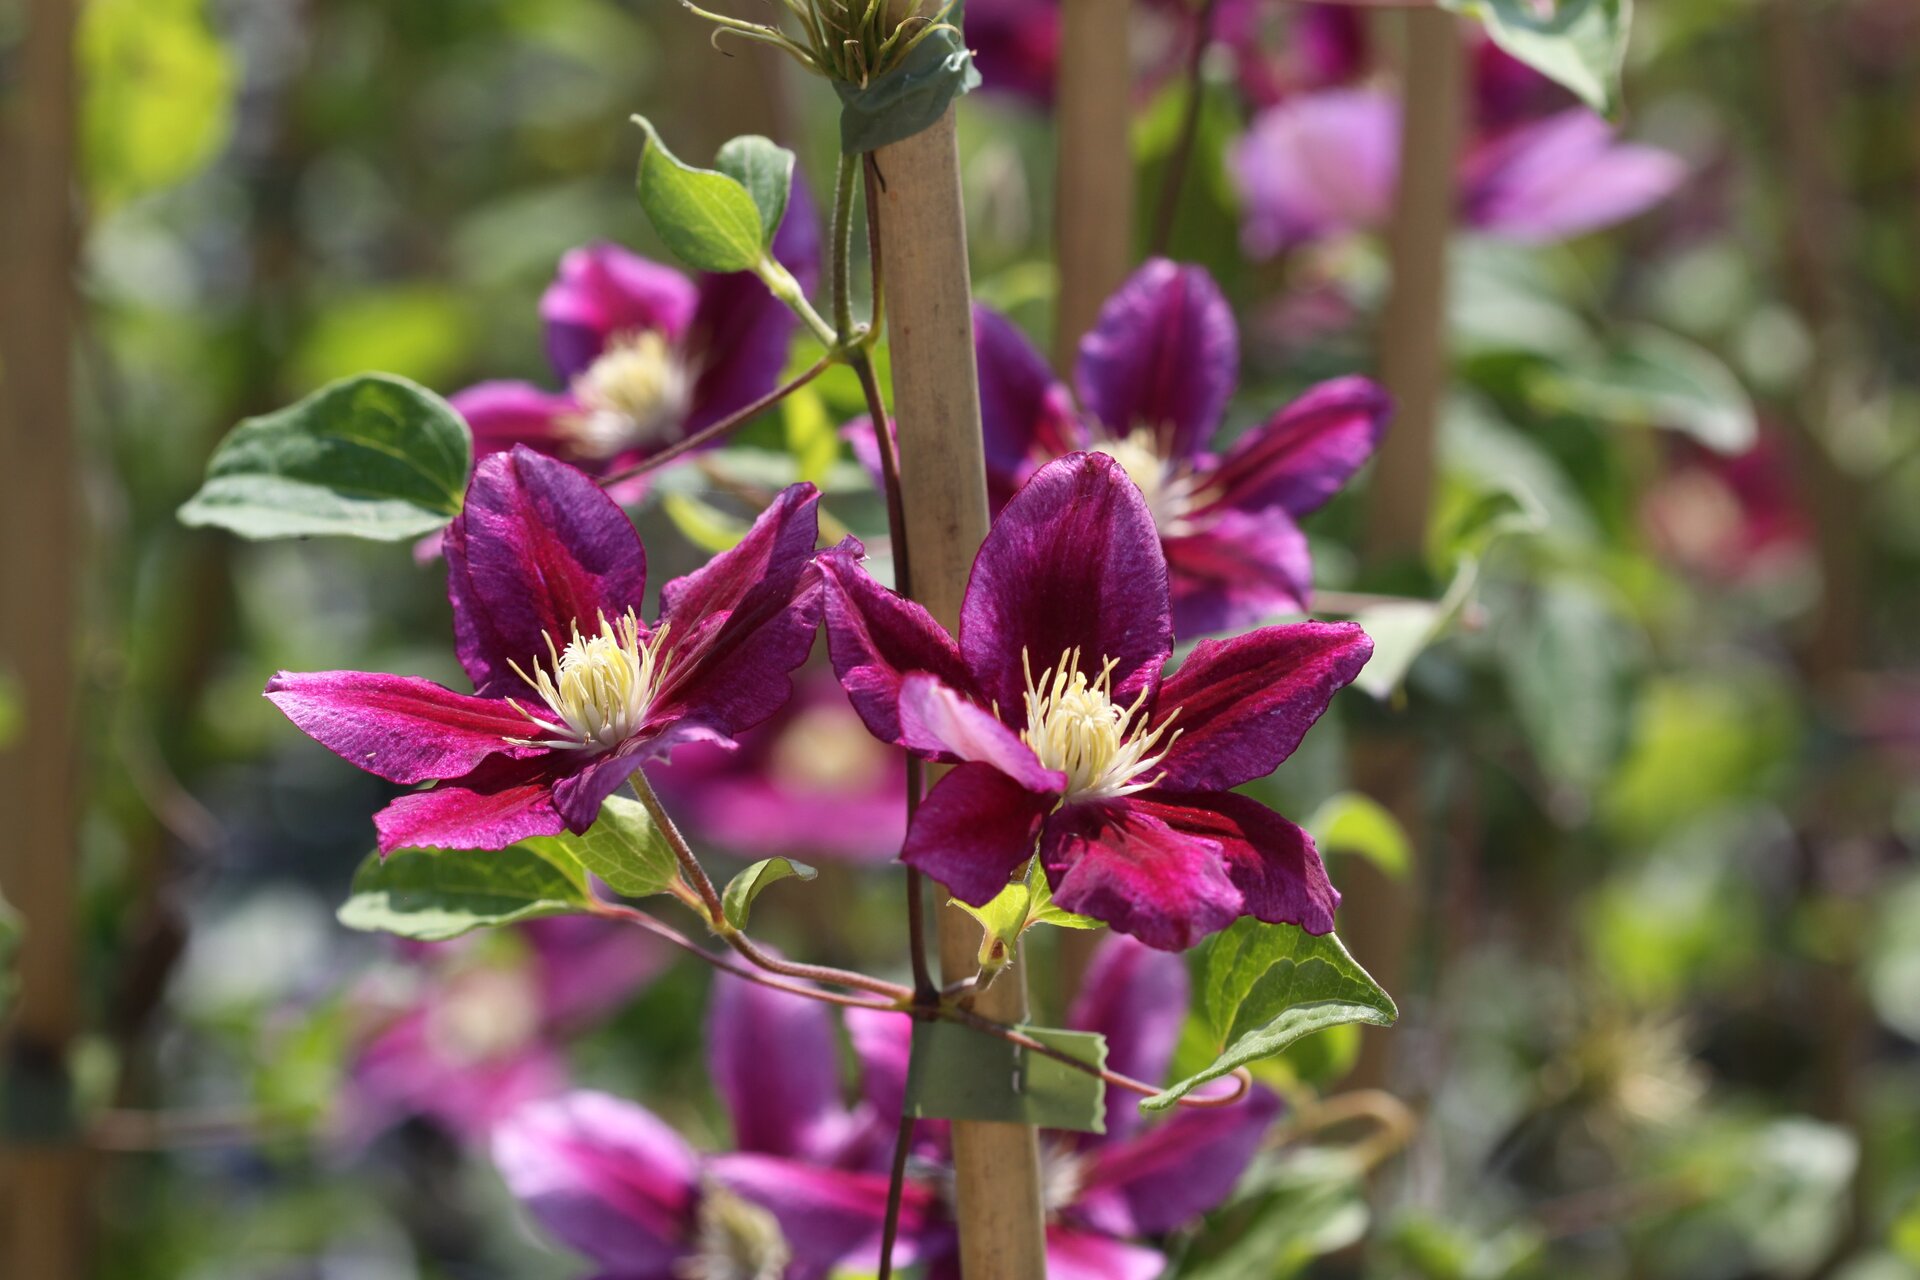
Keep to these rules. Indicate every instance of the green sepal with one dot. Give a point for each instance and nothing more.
(909, 98)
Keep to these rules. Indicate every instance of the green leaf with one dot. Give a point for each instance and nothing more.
(958, 1073)
(1582, 44)
(1263, 986)
(704, 525)
(810, 437)
(1655, 379)
(623, 847)
(910, 97)
(159, 85)
(369, 457)
(708, 220)
(434, 894)
(766, 171)
(737, 901)
(1354, 823)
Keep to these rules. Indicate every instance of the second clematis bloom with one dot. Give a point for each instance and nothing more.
(1068, 739)
(572, 690)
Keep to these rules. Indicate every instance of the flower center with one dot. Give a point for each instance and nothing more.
(483, 1016)
(1172, 492)
(1074, 725)
(828, 749)
(632, 395)
(599, 688)
(734, 1240)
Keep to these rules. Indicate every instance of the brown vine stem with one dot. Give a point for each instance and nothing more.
(661, 929)
(732, 422)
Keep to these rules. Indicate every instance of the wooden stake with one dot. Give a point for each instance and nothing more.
(41, 1182)
(943, 482)
(1093, 203)
(1414, 360)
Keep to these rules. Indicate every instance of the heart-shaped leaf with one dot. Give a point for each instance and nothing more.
(736, 902)
(434, 894)
(708, 220)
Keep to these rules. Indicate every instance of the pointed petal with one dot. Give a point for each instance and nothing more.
(739, 624)
(1245, 703)
(826, 1215)
(1116, 862)
(1302, 455)
(877, 638)
(1271, 861)
(1316, 165)
(602, 290)
(501, 802)
(1563, 177)
(1026, 415)
(1083, 1255)
(538, 549)
(939, 722)
(1185, 1166)
(792, 1111)
(503, 414)
(400, 728)
(974, 830)
(1137, 998)
(1164, 356)
(605, 1176)
(1073, 562)
(1238, 570)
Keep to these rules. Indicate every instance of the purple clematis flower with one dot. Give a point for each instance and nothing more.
(480, 1032)
(810, 781)
(1325, 163)
(1154, 377)
(573, 692)
(646, 355)
(1067, 737)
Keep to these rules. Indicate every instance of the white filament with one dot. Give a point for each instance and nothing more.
(632, 395)
(599, 688)
(1074, 725)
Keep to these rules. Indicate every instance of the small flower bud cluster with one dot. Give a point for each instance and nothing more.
(852, 41)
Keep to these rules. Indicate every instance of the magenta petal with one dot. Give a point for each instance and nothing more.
(1016, 44)
(740, 623)
(827, 1216)
(503, 414)
(1026, 415)
(1119, 863)
(877, 639)
(1073, 562)
(1083, 1255)
(792, 1111)
(579, 795)
(1301, 456)
(939, 722)
(974, 830)
(1137, 998)
(1237, 570)
(1185, 1166)
(883, 1045)
(400, 728)
(1245, 703)
(587, 967)
(1315, 165)
(498, 804)
(1563, 177)
(605, 1176)
(1270, 860)
(538, 550)
(1164, 356)
(602, 290)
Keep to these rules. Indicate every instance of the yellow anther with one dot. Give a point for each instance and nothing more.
(599, 689)
(634, 394)
(1074, 725)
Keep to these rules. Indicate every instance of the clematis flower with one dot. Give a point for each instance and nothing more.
(810, 781)
(645, 355)
(1067, 737)
(1327, 163)
(573, 692)
(481, 1028)
(1154, 377)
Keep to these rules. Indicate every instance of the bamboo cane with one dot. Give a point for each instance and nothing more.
(936, 394)
(42, 1185)
(1093, 203)
(1414, 366)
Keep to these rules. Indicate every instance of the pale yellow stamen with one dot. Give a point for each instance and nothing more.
(1173, 491)
(634, 394)
(599, 688)
(1074, 725)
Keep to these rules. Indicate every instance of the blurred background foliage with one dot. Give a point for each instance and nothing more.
(1659, 945)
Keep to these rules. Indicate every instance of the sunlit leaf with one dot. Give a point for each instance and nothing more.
(623, 847)
(434, 894)
(1353, 823)
(369, 457)
(159, 94)
(766, 171)
(736, 901)
(707, 220)
(1582, 44)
